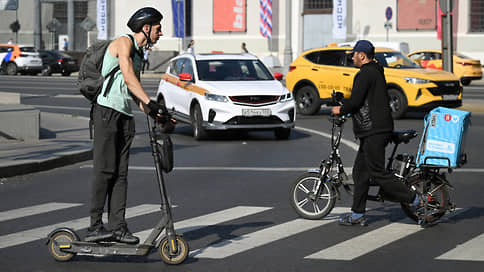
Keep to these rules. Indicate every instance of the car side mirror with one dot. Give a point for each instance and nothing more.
(278, 76)
(185, 76)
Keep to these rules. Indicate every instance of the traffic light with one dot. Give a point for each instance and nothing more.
(15, 26)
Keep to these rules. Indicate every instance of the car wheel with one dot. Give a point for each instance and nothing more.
(465, 81)
(398, 103)
(282, 133)
(307, 101)
(11, 69)
(46, 70)
(199, 133)
(167, 127)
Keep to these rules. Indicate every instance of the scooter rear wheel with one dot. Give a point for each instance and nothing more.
(59, 240)
(180, 255)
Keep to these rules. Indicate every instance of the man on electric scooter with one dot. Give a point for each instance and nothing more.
(114, 127)
(372, 125)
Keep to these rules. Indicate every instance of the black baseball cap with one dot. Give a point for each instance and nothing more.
(364, 46)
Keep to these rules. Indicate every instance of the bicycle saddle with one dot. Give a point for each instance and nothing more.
(403, 136)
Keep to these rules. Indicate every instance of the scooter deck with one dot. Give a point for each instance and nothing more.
(107, 248)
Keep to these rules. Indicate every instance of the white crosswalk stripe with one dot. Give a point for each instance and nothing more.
(370, 241)
(27, 236)
(33, 210)
(471, 250)
(259, 238)
(210, 219)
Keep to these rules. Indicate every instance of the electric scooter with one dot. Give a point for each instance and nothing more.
(64, 243)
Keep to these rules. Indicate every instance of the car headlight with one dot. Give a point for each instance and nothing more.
(415, 80)
(216, 97)
(286, 97)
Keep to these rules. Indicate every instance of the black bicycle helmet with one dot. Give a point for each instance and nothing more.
(144, 16)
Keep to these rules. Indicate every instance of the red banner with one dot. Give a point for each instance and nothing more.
(229, 15)
(416, 14)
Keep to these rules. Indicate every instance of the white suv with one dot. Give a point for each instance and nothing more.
(19, 58)
(226, 92)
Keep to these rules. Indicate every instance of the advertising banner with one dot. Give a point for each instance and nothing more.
(415, 15)
(339, 19)
(178, 9)
(229, 15)
(102, 20)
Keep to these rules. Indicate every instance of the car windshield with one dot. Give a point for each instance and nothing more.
(395, 60)
(232, 70)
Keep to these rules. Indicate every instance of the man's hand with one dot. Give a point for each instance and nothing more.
(336, 110)
(157, 110)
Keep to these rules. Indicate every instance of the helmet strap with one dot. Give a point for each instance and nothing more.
(148, 35)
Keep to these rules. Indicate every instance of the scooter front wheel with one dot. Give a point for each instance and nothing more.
(173, 258)
(305, 201)
(58, 241)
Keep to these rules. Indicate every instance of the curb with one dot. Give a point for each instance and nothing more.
(44, 165)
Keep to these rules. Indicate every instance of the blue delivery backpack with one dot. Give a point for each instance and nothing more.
(443, 138)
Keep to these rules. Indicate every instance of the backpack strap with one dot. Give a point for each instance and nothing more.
(117, 68)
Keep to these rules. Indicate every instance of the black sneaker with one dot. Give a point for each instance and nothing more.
(123, 235)
(97, 234)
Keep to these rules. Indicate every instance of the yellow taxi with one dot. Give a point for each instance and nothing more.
(314, 75)
(465, 68)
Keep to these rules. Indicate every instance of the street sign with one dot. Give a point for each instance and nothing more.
(388, 25)
(87, 24)
(446, 6)
(389, 13)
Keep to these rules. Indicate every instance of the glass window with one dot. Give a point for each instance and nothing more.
(318, 6)
(313, 57)
(28, 49)
(335, 58)
(477, 16)
(232, 70)
(395, 60)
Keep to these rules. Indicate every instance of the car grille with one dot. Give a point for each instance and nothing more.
(445, 87)
(254, 100)
(254, 120)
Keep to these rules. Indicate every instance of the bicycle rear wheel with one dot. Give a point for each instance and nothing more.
(435, 193)
(304, 200)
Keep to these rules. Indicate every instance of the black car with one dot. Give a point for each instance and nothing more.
(57, 62)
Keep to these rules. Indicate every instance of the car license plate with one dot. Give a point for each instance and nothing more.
(256, 112)
(449, 97)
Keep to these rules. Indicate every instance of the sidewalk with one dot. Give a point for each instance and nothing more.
(64, 140)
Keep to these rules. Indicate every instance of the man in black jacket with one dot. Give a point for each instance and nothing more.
(372, 125)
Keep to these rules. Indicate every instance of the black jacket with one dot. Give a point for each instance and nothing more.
(369, 102)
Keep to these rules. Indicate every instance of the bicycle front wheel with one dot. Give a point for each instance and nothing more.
(305, 201)
(436, 194)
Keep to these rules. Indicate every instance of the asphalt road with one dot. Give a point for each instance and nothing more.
(230, 197)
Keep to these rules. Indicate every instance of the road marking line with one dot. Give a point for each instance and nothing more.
(351, 144)
(210, 219)
(370, 241)
(260, 169)
(33, 210)
(262, 237)
(468, 251)
(76, 224)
